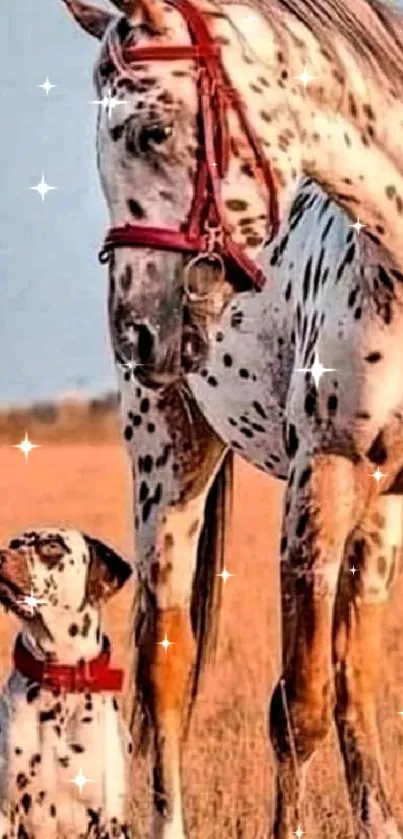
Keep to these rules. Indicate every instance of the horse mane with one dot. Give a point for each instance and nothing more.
(372, 29)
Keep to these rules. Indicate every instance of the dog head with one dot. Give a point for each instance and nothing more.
(55, 581)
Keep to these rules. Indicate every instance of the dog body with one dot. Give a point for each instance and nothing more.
(64, 749)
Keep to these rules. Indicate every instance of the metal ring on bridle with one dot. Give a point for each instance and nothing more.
(201, 257)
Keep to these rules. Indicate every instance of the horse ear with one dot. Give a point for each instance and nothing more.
(107, 571)
(149, 11)
(95, 21)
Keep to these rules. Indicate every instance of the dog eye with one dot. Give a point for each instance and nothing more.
(52, 551)
(153, 135)
(16, 543)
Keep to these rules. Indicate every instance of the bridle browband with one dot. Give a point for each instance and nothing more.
(205, 232)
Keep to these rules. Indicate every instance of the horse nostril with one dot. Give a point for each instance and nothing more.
(145, 344)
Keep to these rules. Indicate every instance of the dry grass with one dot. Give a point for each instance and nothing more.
(227, 761)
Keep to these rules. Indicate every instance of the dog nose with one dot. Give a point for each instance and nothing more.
(14, 567)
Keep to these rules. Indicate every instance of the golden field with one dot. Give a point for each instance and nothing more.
(80, 477)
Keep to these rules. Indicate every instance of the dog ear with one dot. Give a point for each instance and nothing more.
(107, 571)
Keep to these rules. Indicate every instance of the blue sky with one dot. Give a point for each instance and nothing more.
(53, 330)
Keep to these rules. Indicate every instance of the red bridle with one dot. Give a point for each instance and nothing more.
(205, 232)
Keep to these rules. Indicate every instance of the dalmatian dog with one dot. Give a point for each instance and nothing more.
(64, 749)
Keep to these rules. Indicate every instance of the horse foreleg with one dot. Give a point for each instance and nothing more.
(178, 493)
(369, 568)
(319, 509)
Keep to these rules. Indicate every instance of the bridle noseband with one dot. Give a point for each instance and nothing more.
(205, 233)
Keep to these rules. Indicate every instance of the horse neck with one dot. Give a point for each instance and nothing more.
(344, 128)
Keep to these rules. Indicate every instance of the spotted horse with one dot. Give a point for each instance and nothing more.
(199, 163)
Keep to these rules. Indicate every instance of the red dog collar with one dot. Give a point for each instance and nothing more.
(92, 676)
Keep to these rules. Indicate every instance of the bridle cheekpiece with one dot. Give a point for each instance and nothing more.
(205, 233)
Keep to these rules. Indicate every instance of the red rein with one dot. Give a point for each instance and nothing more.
(205, 231)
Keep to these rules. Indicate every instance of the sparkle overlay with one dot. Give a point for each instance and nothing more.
(225, 575)
(378, 475)
(32, 602)
(43, 188)
(26, 446)
(131, 366)
(357, 226)
(47, 86)
(304, 78)
(165, 644)
(317, 370)
(108, 103)
(80, 781)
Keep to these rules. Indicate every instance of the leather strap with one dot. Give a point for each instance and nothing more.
(92, 676)
(216, 96)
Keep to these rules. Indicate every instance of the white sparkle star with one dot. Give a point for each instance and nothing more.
(131, 365)
(298, 832)
(165, 643)
(400, 713)
(225, 575)
(305, 77)
(214, 164)
(353, 570)
(109, 102)
(378, 475)
(317, 370)
(26, 446)
(80, 780)
(43, 188)
(32, 602)
(357, 226)
(47, 86)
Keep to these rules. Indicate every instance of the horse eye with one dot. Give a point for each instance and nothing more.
(153, 135)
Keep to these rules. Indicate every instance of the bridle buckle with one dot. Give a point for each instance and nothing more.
(213, 239)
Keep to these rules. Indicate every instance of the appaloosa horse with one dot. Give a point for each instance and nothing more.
(202, 154)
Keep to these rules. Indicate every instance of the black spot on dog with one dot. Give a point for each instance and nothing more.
(26, 802)
(33, 693)
(77, 748)
(373, 357)
(73, 630)
(47, 716)
(86, 625)
(21, 780)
